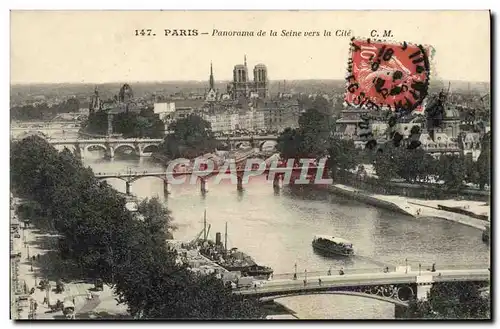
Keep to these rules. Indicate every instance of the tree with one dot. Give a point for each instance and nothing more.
(322, 105)
(451, 170)
(471, 170)
(157, 218)
(191, 137)
(451, 300)
(133, 125)
(289, 142)
(315, 130)
(415, 164)
(310, 140)
(484, 162)
(386, 164)
(107, 241)
(342, 155)
(97, 123)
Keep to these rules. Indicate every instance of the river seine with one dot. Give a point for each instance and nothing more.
(277, 230)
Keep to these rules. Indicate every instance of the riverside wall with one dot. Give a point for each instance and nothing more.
(407, 206)
(367, 198)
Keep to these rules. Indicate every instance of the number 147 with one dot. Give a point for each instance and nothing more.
(143, 32)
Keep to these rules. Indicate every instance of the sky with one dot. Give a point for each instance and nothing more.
(101, 46)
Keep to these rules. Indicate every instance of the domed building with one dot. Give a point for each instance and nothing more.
(451, 122)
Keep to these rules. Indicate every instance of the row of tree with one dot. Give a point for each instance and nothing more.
(43, 111)
(129, 124)
(314, 138)
(419, 166)
(126, 250)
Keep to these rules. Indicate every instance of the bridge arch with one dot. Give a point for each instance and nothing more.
(150, 148)
(121, 147)
(92, 146)
(105, 179)
(398, 295)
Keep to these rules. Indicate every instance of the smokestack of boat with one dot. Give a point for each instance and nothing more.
(218, 239)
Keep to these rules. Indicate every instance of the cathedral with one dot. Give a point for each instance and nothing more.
(242, 86)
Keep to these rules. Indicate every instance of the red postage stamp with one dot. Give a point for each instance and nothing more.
(385, 75)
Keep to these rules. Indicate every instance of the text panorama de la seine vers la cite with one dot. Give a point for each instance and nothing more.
(257, 33)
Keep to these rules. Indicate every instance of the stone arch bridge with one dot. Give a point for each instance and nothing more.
(253, 141)
(81, 147)
(144, 146)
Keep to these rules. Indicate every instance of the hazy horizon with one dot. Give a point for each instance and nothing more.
(205, 81)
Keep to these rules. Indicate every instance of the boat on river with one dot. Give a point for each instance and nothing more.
(233, 259)
(333, 245)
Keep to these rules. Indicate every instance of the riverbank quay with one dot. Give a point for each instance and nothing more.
(36, 259)
(412, 206)
(41, 262)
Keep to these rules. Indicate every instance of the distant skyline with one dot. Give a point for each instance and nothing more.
(100, 47)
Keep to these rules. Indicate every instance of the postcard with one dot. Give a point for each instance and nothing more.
(235, 165)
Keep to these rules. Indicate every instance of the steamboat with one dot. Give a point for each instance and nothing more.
(333, 245)
(232, 259)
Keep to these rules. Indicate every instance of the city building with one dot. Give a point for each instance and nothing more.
(347, 126)
(441, 144)
(470, 143)
(182, 112)
(95, 102)
(450, 124)
(232, 120)
(165, 112)
(280, 115)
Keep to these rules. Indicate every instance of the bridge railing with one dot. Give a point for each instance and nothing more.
(301, 274)
(427, 265)
(189, 172)
(333, 271)
(103, 139)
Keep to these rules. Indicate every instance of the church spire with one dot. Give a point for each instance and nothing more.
(211, 81)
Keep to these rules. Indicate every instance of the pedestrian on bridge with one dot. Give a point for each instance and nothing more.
(319, 281)
(329, 271)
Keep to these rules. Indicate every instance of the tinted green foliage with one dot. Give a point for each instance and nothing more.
(451, 300)
(127, 250)
(310, 140)
(129, 124)
(342, 156)
(190, 137)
